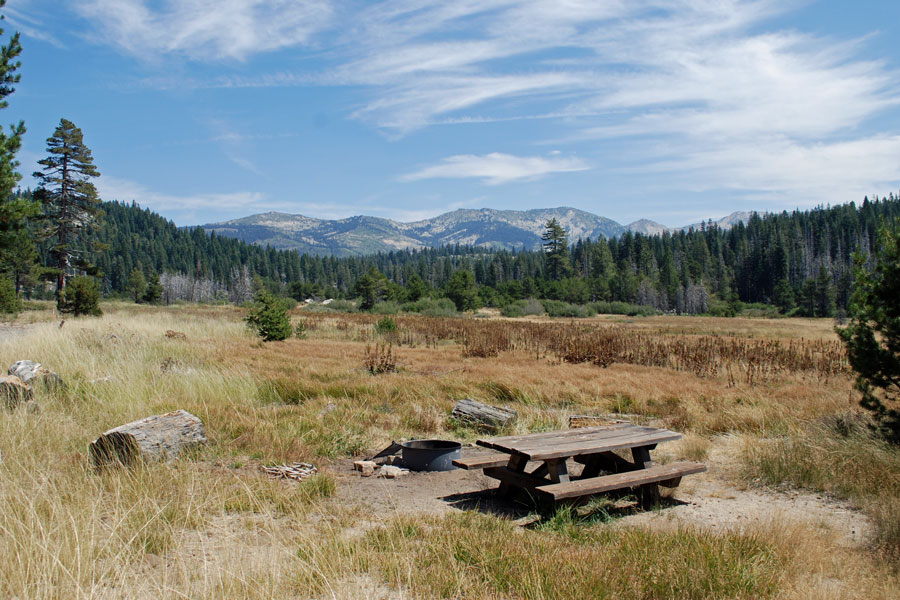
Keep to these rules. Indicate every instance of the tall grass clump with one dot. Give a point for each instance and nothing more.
(840, 459)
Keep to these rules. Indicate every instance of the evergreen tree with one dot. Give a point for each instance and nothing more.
(556, 249)
(462, 290)
(70, 199)
(269, 317)
(873, 336)
(153, 292)
(415, 288)
(14, 209)
(137, 285)
(81, 297)
(371, 288)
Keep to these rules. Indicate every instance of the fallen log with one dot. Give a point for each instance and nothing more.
(492, 418)
(13, 391)
(160, 437)
(32, 373)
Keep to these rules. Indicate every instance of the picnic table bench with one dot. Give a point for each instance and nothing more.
(594, 447)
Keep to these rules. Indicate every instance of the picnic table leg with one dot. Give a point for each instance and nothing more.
(603, 461)
(557, 470)
(516, 463)
(649, 493)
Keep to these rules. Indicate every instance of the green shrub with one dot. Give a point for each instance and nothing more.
(385, 325)
(522, 308)
(81, 296)
(558, 308)
(622, 308)
(269, 317)
(388, 307)
(431, 307)
(9, 301)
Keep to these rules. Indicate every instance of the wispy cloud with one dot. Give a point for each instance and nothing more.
(496, 168)
(184, 208)
(206, 29)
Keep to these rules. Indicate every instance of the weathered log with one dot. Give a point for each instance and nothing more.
(32, 373)
(482, 415)
(160, 437)
(13, 391)
(578, 421)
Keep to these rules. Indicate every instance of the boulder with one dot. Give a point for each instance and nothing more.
(13, 391)
(33, 373)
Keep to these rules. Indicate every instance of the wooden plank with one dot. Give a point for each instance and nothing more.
(527, 444)
(515, 479)
(594, 446)
(510, 439)
(481, 461)
(596, 485)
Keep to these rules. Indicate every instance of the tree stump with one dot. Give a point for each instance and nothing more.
(481, 415)
(13, 391)
(160, 437)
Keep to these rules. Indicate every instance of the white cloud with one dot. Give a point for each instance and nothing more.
(496, 168)
(183, 208)
(206, 29)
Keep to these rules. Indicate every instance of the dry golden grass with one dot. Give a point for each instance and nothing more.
(211, 525)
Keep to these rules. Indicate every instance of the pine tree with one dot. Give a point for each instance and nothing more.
(9, 143)
(14, 210)
(873, 335)
(70, 199)
(556, 248)
(137, 285)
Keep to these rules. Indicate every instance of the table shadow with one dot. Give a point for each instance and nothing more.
(490, 502)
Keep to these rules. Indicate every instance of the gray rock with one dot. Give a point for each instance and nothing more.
(392, 472)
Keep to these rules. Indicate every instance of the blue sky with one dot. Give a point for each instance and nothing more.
(676, 111)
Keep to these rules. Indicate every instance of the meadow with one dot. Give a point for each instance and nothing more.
(768, 404)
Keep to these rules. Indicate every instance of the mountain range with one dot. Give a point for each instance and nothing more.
(506, 229)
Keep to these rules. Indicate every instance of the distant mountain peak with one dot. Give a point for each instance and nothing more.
(488, 227)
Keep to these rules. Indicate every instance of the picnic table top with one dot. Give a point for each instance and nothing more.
(574, 442)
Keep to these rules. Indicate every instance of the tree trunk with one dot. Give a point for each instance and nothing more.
(160, 437)
(481, 415)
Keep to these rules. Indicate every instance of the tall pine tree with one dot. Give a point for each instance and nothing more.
(15, 239)
(70, 199)
(556, 248)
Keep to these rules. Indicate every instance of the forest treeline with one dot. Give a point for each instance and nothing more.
(800, 261)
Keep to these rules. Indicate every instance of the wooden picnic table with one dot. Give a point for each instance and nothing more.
(594, 447)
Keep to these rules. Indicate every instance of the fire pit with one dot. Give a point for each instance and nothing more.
(430, 455)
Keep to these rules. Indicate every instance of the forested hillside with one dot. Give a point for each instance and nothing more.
(794, 260)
